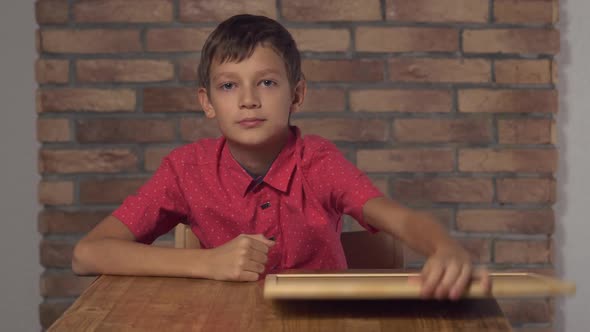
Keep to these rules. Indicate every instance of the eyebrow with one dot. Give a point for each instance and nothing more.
(257, 73)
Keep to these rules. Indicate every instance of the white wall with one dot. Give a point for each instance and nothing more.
(19, 240)
(573, 208)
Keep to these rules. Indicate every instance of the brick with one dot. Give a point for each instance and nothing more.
(526, 190)
(85, 161)
(217, 11)
(529, 11)
(381, 39)
(324, 100)
(381, 183)
(508, 101)
(346, 130)
(332, 10)
(177, 39)
(124, 70)
(50, 310)
(523, 311)
(63, 284)
(69, 222)
(178, 99)
(410, 101)
(440, 70)
(125, 131)
(512, 160)
(473, 130)
(52, 71)
(363, 70)
(541, 221)
(85, 100)
(522, 252)
(90, 41)
(457, 11)
(193, 129)
(188, 69)
(523, 71)
(406, 160)
(527, 41)
(526, 131)
(51, 11)
(56, 192)
(321, 40)
(56, 253)
(107, 191)
(153, 157)
(53, 130)
(123, 11)
(444, 190)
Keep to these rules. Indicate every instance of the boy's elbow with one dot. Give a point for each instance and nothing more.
(80, 258)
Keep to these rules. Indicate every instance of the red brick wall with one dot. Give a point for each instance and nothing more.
(448, 104)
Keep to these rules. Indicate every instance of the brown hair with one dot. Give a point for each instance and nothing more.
(236, 38)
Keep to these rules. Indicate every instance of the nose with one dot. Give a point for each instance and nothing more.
(249, 98)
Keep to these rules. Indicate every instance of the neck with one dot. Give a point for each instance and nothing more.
(258, 159)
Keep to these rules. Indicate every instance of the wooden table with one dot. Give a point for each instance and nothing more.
(116, 303)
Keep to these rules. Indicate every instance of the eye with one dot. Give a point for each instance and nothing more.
(268, 83)
(227, 86)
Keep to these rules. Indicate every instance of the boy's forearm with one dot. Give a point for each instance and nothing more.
(418, 230)
(424, 234)
(120, 257)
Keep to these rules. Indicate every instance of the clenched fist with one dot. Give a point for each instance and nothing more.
(241, 259)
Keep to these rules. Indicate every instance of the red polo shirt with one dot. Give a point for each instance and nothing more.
(300, 201)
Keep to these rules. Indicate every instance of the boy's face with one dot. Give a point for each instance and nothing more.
(252, 99)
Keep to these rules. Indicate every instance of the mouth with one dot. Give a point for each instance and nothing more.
(251, 122)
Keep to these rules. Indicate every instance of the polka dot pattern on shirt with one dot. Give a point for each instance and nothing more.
(306, 191)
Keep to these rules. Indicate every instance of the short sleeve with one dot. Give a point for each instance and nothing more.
(156, 208)
(342, 183)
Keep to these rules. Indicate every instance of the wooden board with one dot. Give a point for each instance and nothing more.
(397, 286)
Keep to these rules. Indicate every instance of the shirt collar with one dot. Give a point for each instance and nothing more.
(279, 174)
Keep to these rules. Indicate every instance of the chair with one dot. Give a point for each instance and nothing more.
(362, 249)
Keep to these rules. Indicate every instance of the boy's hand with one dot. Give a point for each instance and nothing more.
(448, 273)
(241, 259)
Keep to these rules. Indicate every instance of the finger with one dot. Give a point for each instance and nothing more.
(252, 266)
(461, 284)
(484, 278)
(431, 278)
(248, 276)
(260, 243)
(263, 239)
(449, 278)
(258, 257)
(249, 242)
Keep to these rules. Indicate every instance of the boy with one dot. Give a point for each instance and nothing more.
(261, 199)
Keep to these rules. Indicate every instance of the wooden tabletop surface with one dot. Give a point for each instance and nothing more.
(118, 303)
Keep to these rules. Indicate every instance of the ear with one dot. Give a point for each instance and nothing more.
(298, 96)
(206, 103)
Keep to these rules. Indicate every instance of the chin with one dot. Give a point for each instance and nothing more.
(251, 141)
